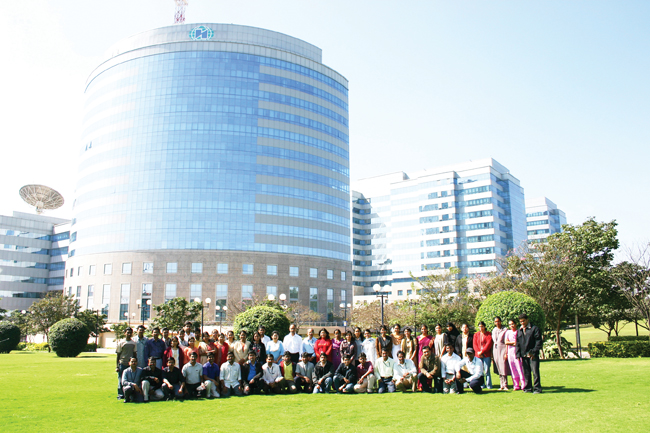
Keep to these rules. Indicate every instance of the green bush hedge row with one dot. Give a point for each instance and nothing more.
(619, 349)
(32, 347)
(629, 338)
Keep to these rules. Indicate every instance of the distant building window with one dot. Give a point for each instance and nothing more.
(313, 272)
(247, 292)
(247, 269)
(271, 269)
(108, 269)
(170, 291)
(79, 271)
(92, 269)
(195, 291)
(126, 268)
(147, 268)
(172, 268)
(71, 272)
(272, 290)
(313, 299)
(222, 268)
(400, 292)
(294, 271)
(197, 268)
(342, 275)
(293, 294)
(330, 274)
(147, 289)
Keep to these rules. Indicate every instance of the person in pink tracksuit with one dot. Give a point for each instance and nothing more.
(516, 367)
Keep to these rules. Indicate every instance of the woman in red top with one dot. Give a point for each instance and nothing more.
(222, 350)
(323, 345)
(175, 351)
(483, 350)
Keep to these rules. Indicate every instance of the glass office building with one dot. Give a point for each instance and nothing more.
(33, 251)
(214, 160)
(543, 218)
(466, 216)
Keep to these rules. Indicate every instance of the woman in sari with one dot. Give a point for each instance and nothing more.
(384, 342)
(396, 338)
(409, 346)
(499, 352)
(336, 349)
(516, 367)
(424, 339)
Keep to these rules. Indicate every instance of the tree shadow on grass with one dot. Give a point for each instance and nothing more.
(559, 389)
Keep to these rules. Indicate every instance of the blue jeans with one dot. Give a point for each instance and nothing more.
(386, 385)
(120, 391)
(487, 363)
(339, 382)
(324, 388)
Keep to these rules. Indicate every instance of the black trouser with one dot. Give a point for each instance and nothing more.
(436, 382)
(303, 386)
(295, 358)
(254, 388)
(531, 365)
(193, 389)
(475, 384)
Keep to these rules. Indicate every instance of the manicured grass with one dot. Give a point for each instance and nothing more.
(591, 334)
(48, 394)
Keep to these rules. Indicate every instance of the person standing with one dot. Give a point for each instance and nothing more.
(166, 338)
(464, 341)
(263, 337)
(529, 343)
(251, 374)
(230, 376)
(293, 344)
(336, 348)
(348, 347)
(222, 349)
(429, 376)
(424, 339)
(366, 379)
(125, 350)
(141, 346)
(275, 347)
(206, 346)
(308, 344)
(451, 335)
(499, 352)
(396, 338)
(474, 374)
(258, 347)
(516, 368)
(131, 381)
(404, 372)
(155, 348)
(438, 343)
(410, 345)
(369, 347)
(323, 345)
(385, 371)
(174, 351)
(358, 342)
(241, 348)
(483, 350)
(384, 342)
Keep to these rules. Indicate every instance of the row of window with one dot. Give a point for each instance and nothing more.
(197, 268)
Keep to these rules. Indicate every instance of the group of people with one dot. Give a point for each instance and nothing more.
(217, 366)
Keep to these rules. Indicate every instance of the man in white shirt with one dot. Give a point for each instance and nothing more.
(403, 373)
(448, 363)
(193, 373)
(272, 376)
(230, 376)
(308, 346)
(385, 371)
(474, 375)
(293, 344)
(263, 338)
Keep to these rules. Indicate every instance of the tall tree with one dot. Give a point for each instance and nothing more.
(301, 314)
(49, 310)
(93, 321)
(632, 280)
(175, 312)
(21, 321)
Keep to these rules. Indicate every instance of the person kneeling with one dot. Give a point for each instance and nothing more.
(288, 372)
(230, 376)
(404, 373)
(152, 381)
(271, 376)
(345, 377)
(475, 375)
(131, 380)
(192, 373)
(251, 373)
(172, 380)
(322, 377)
(304, 373)
(366, 378)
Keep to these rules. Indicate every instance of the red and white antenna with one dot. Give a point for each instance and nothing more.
(179, 15)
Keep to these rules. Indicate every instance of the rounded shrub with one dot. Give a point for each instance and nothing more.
(272, 318)
(9, 336)
(68, 337)
(509, 305)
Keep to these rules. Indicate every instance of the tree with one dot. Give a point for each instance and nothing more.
(9, 336)
(93, 321)
(273, 318)
(301, 314)
(508, 306)
(569, 270)
(21, 321)
(54, 307)
(174, 313)
(69, 337)
(632, 280)
(119, 328)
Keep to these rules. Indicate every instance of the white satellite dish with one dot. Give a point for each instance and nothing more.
(41, 196)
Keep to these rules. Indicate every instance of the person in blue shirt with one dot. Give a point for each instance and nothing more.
(155, 348)
(211, 377)
(275, 347)
(251, 375)
(131, 382)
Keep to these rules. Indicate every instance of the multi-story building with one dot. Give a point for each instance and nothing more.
(33, 251)
(543, 218)
(466, 215)
(214, 165)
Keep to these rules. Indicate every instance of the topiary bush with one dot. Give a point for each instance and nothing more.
(272, 318)
(68, 337)
(9, 336)
(509, 305)
(619, 349)
(629, 338)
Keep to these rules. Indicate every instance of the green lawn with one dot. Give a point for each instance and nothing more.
(591, 334)
(47, 394)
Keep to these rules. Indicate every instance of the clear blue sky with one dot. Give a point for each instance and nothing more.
(557, 91)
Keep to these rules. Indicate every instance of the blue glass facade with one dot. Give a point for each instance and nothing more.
(196, 147)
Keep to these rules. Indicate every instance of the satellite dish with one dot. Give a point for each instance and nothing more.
(41, 196)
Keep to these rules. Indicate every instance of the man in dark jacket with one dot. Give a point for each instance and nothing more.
(529, 343)
(251, 375)
(152, 381)
(345, 376)
(322, 377)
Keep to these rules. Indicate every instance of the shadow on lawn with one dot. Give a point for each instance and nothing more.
(559, 389)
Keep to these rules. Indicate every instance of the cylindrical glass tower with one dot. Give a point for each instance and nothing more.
(207, 147)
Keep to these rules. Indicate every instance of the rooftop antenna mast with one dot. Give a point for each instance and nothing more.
(179, 15)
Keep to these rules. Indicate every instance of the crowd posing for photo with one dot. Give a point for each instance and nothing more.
(449, 361)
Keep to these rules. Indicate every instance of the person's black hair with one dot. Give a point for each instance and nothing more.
(451, 324)
(275, 332)
(171, 358)
(368, 331)
(165, 329)
(337, 330)
(187, 323)
(156, 328)
(424, 325)
(350, 334)
(252, 352)
(362, 355)
(481, 323)
(438, 324)
(128, 329)
(360, 331)
(426, 347)
(133, 357)
(322, 354)
(523, 316)
(211, 354)
(244, 331)
(497, 317)
(305, 354)
(205, 334)
(327, 333)
(408, 329)
(346, 356)
(270, 355)
(402, 352)
(174, 338)
(384, 327)
(141, 326)
(398, 325)
(231, 331)
(287, 353)
(193, 354)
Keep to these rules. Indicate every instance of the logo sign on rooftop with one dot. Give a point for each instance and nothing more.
(201, 33)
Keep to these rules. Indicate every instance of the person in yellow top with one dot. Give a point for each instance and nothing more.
(288, 372)
(241, 348)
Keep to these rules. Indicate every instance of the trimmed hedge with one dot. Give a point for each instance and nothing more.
(629, 338)
(33, 347)
(620, 349)
(68, 337)
(9, 336)
(273, 319)
(509, 305)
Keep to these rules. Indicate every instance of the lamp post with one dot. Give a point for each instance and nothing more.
(126, 314)
(217, 308)
(382, 295)
(207, 303)
(345, 313)
(133, 316)
(283, 300)
(139, 302)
